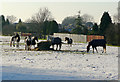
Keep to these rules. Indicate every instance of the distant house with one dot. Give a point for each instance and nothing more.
(28, 25)
(89, 25)
(69, 27)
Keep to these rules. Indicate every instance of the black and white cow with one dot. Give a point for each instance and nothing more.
(69, 41)
(29, 41)
(15, 38)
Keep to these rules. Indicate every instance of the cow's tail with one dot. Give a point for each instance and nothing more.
(63, 43)
(11, 43)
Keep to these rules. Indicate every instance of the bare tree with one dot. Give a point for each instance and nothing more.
(87, 18)
(28, 21)
(115, 18)
(119, 12)
(42, 15)
(38, 20)
(12, 18)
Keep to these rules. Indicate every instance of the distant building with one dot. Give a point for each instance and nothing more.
(89, 25)
(69, 27)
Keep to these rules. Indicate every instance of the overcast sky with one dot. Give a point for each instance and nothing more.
(25, 9)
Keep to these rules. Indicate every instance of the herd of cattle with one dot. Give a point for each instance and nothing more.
(29, 41)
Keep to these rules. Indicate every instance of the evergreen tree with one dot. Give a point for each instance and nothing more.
(95, 29)
(105, 22)
(53, 27)
(77, 30)
(20, 21)
(78, 25)
(19, 24)
(68, 20)
(7, 22)
(48, 28)
(78, 21)
(3, 20)
(45, 28)
(21, 27)
(111, 35)
(85, 30)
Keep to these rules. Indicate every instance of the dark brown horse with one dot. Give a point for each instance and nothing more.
(95, 43)
(56, 41)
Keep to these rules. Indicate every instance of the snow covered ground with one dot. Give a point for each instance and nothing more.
(58, 65)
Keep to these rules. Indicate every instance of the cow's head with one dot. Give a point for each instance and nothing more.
(88, 48)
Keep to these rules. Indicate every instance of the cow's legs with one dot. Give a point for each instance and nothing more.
(14, 43)
(96, 50)
(53, 47)
(29, 47)
(93, 49)
(60, 46)
(56, 46)
(104, 49)
(17, 45)
(26, 46)
(10, 43)
(34, 46)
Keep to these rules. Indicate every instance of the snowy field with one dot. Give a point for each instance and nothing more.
(58, 65)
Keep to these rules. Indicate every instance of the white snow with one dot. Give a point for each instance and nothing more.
(58, 65)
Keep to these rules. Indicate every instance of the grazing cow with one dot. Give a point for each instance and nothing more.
(69, 40)
(34, 39)
(29, 42)
(95, 43)
(13, 39)
(56, 41)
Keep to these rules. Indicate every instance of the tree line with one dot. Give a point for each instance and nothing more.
(106, 28)
(42, 24)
